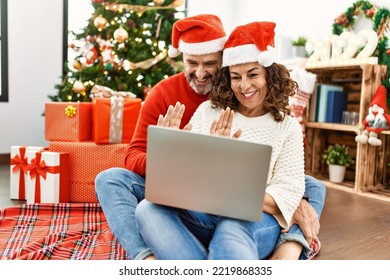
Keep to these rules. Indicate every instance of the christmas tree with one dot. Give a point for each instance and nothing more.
(123, 47)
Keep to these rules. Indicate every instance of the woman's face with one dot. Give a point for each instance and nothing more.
(248, 82)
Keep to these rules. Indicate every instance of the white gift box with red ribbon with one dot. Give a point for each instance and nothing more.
(47, 177)
(18, 170)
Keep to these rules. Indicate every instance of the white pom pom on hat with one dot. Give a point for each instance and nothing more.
(253, 42)
(197, 35)
(173, 52)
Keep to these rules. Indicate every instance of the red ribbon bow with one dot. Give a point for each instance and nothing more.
(39, 169)
(20, 162)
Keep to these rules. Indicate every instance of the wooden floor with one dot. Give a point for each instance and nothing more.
(352, 227)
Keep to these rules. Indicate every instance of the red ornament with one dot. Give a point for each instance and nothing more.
(388, 51)
(370, 12)
(97, 1)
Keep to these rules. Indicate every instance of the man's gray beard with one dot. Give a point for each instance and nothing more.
(204, 92)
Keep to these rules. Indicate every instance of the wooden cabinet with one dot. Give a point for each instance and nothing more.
(369, 174)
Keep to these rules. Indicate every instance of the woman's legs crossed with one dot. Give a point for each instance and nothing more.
(244, 240)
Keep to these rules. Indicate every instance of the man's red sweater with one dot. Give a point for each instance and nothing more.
(167, 92)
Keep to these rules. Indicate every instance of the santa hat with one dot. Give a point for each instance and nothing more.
(379, 98)
(253, 42)
(197, 35)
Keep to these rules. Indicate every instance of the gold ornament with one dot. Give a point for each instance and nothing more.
(77, 64)
(158, 2)
(100, 22)
(78, 87)
(120, 35)
(70, 111)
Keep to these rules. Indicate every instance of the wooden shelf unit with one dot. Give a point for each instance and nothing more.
(369, 174)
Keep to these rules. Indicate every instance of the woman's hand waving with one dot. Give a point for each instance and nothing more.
(223, 126)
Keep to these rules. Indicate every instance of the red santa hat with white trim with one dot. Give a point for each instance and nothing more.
(197, 35)
(253, 42)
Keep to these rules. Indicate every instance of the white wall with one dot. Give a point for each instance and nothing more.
(313, 19)
(35, 49)
(35, 66)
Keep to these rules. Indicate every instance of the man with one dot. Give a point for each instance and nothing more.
(201, 39)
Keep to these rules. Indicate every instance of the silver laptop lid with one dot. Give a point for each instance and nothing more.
(216, 175)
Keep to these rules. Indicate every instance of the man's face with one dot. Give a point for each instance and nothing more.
(200, 70)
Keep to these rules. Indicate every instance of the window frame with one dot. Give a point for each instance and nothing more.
(4, 97)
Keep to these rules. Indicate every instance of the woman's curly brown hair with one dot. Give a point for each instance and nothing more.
(279, 88)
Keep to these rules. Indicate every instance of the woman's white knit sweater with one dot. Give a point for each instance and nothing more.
(286, 178)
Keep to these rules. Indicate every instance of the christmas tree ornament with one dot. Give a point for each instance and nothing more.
(90, 54)
(108, 66)
(78, 87)
(106, 50)
(77, 64)
(130, 24)
(126, 65)
(122, 87)
(158, 2)
(97, 1)
(100, 22)
(121, 35)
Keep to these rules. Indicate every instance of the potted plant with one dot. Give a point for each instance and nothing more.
(338, 159)
(299, 46)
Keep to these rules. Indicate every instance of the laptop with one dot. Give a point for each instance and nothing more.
(213, 174)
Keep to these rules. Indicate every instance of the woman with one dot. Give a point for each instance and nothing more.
(249, 101)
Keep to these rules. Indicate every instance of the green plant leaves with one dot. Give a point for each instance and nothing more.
(337, 154)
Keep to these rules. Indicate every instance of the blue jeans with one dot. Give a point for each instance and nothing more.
(119, 191)
(178, 234)
(315, 193)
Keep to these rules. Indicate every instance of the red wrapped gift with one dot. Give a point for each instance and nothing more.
(115, 117)
(47, 177)
(68, 121)
(18, 170)
(87, 159)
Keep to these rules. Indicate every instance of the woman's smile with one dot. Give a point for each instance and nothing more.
(249, 95)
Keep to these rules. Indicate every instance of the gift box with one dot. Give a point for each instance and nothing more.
(18, 170)
(47, 177)
(87, 159)
(68, 121)
(115, 117)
